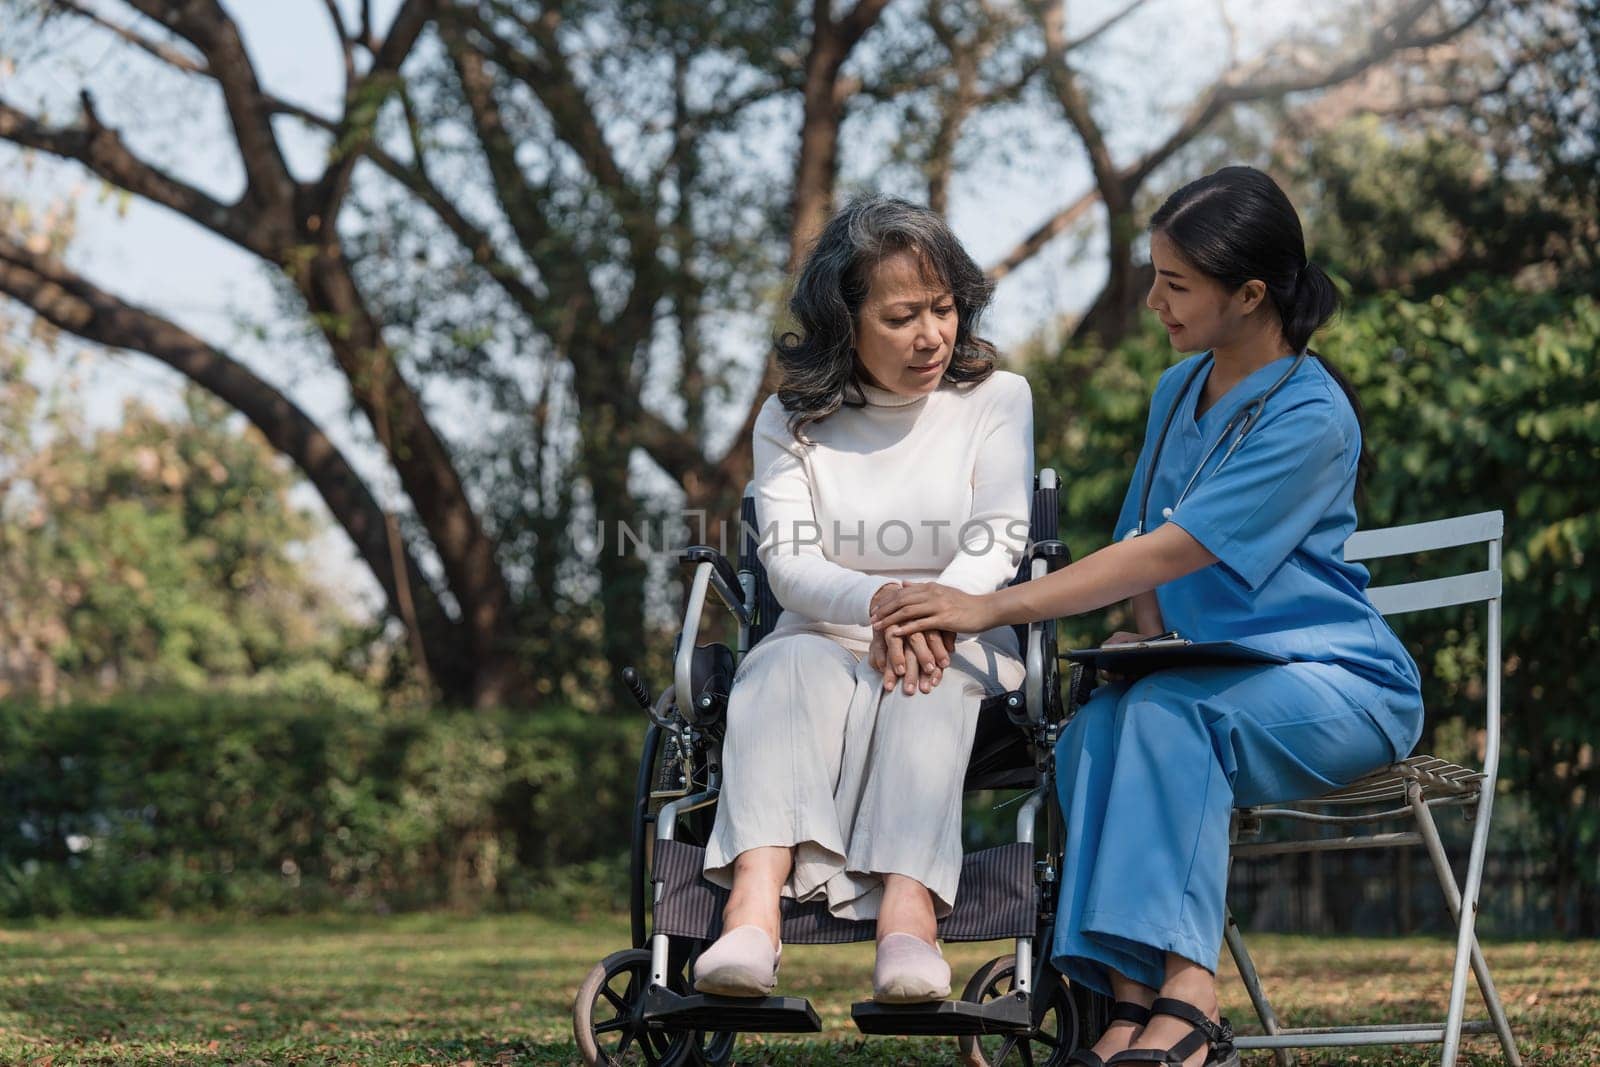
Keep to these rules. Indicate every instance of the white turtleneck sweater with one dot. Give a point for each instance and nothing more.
(903, 489)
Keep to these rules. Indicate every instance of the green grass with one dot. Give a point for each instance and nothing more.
(447, 990)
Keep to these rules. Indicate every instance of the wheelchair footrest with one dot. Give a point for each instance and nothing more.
(666, 1010)
(1003, 1015)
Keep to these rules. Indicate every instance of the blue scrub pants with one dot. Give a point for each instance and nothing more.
(1148, 774)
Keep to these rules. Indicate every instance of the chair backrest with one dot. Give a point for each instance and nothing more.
(766, 604)
(1471, 587)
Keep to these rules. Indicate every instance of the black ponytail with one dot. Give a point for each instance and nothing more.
(1236, 225)
(1311, 301)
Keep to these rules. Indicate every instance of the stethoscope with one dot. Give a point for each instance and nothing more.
(1242, 421)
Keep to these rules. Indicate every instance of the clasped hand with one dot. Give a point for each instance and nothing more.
(914, 630)
(914, 661)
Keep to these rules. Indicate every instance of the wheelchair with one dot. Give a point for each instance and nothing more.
(637, 1005)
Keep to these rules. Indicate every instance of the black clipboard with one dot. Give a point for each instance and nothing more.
(1136, 658)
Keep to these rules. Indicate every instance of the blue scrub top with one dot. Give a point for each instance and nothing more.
(1276, 515)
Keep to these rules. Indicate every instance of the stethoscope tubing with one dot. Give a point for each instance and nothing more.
(1243, 419)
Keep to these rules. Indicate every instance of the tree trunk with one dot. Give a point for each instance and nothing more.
(819, 141)
(426, 471)
(604, 460)
(1115, 311)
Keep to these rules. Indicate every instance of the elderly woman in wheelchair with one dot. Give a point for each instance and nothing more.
(892, 452)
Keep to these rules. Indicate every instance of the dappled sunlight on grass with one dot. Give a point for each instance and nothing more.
(497, 990)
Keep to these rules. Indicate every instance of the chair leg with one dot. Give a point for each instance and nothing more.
(1466, 924)
(1252, 985)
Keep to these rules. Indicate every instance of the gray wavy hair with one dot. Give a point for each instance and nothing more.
(818, 358)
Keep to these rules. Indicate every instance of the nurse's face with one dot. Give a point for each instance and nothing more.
(906, 328)
(1197, 310)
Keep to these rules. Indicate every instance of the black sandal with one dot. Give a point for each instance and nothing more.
(1123, 1011)
(1219, 1038)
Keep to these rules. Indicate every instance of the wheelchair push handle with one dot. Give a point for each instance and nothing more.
(637, 689)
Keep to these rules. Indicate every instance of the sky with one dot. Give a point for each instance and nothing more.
(156, 259)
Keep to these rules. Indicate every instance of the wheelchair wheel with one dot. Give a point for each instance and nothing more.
(608, 1022)
(1058, 1028)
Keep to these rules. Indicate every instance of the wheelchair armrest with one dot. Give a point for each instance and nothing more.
(1034, 682)
(707, 554)
(724, 579)
(1055, 555)
(711, 571)
(1038, 649)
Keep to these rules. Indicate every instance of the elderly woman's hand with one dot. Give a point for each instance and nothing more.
(912, 609)
(919, 660)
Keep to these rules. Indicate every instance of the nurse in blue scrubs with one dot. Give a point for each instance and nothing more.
(1233, 529)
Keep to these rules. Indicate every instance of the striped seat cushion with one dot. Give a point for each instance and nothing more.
(997, 900)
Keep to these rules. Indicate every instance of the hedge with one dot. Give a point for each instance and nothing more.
(142, 807)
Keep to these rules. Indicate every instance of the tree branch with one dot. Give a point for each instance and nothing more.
(364, 98)
(367, 37)
(957, 107)
(474, 239)
(1064, 81)
(1230, 32)
(572, 297)
(1105, 24)
(159, 49)
(571, 292)
(729, 106)
(347, 48)
(178, 60)
(688, 288)
(1043, 234)
(849, 30)
(204, 24)
(1233, 88)
(553, 81)
(100, 149)
(72, 303)
(547, 74)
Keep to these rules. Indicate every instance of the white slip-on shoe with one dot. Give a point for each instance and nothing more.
(740, 963)
(909, 971)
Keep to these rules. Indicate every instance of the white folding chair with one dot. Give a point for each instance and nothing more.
(1412, 788)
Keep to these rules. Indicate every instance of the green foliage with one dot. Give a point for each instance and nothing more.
(1421, 213)
(160, 554)
(184, 805)
(1485, 396)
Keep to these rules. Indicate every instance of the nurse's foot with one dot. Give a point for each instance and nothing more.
(1118, 1036)
(1130, 1010)
(1165, 1030)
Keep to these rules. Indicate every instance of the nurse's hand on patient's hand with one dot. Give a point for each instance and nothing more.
(930, 606)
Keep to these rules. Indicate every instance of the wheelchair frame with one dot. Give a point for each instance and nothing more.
(691, 728)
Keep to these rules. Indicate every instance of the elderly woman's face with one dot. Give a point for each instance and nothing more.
(906, 330)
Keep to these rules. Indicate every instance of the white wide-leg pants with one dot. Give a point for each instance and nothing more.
(859, 781)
